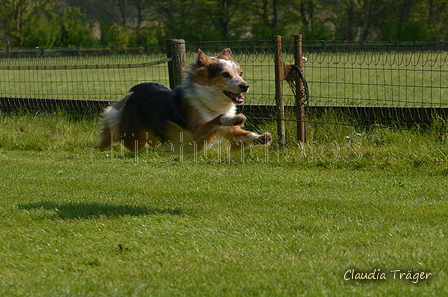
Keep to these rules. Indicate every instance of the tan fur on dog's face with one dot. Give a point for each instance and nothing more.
(221, 73)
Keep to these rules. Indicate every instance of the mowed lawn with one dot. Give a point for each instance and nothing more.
(78, 222)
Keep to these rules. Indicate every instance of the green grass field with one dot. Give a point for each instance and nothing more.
(305, 221)
(334, 78)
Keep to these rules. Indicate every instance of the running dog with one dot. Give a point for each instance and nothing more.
(187, 119)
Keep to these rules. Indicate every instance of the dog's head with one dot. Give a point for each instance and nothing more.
(221, 73)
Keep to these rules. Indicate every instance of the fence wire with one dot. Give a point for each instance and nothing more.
(93, 73)
(368, 83)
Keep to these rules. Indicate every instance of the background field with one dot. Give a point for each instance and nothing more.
(79, 222)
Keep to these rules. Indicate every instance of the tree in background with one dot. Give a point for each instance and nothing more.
(437, 18)
(313, 18)
(264, 18)
(221, 13)
(75, 29)
(42, 29)
(179, 19)
(45, 23)
(414, 20)
(14, 16)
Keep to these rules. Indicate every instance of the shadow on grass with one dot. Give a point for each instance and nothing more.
(97, 210)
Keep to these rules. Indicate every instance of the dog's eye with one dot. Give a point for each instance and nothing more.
(241, 73)
(225, 74)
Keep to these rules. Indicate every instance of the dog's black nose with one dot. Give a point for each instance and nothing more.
(244, 87)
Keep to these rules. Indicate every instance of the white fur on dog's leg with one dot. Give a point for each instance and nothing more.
(251, 138)
(265, 139)
(256, 139)
(236, 120)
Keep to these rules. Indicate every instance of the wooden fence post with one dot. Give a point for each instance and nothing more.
(280, 104)
(300, 93)
(175, 49)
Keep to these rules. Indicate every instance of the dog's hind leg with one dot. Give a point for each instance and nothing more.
(105, 139)
(134, 143)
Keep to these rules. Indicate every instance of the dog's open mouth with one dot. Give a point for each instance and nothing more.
(237, 98)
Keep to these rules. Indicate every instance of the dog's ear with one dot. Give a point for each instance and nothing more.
(226, 54)
(203, 59)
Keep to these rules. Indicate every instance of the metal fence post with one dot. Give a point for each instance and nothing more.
(175, 49)
(300, 94)
(280, 104)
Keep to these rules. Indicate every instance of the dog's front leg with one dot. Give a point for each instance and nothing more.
(206, 132)
(236, 120)
(212, 126)
(240, 138)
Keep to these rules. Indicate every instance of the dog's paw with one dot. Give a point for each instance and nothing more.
(264, 139)
(240, 119)
(237, 120)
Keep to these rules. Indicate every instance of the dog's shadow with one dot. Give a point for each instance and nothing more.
(98, 210)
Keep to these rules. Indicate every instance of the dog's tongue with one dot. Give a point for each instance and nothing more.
(237, 96)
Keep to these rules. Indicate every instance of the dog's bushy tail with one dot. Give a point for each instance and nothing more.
(106, 138)
(110, 131)
(111, 121)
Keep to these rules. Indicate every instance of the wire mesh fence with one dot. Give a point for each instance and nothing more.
(94, 73)
(353, 74)
(370, 83)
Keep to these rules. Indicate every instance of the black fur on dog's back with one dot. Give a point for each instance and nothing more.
(149, 107)
(145, 116)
